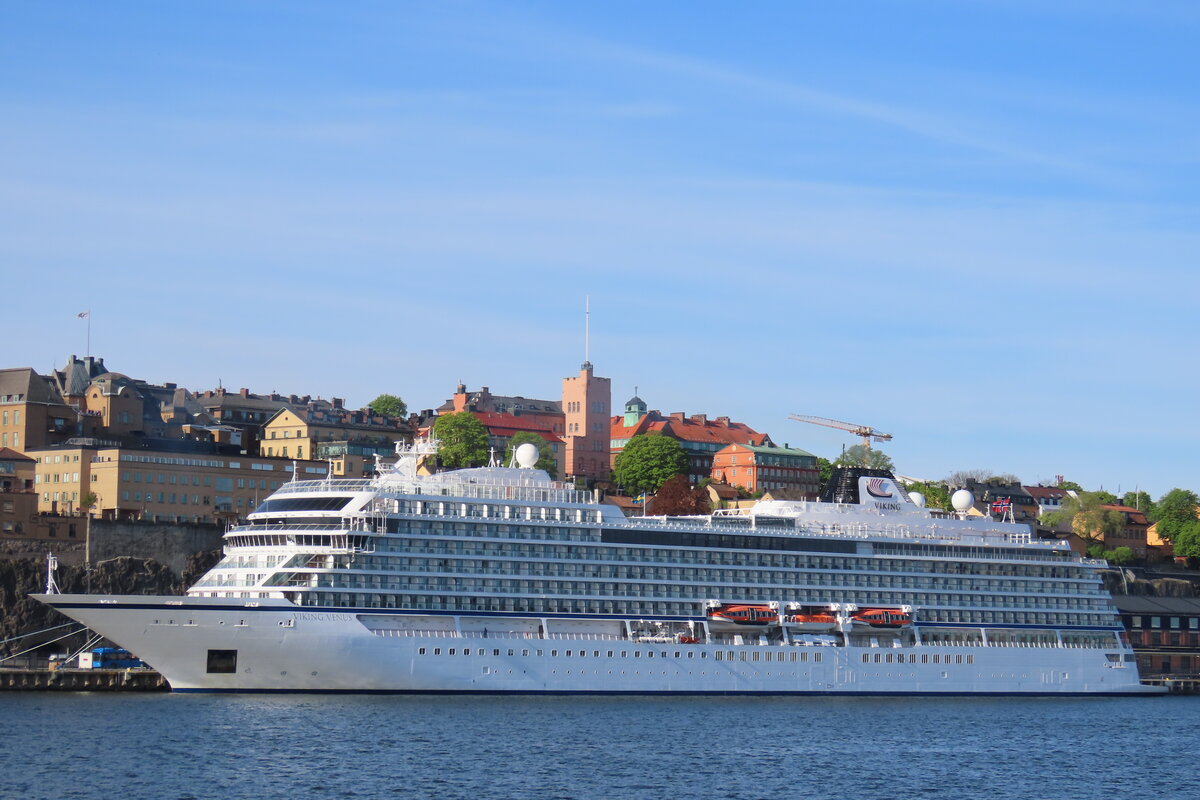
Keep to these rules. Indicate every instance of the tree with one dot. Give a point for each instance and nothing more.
(1187, 540)
(963, 477)
(389, 405)
(676, 498)
(1139, 500)
(1175, 511)
(1108, 498)
(862, 456)
(647, 461)
(87, 501)
(825, 470)
(1069, 486)
(546, 459)
(462, 440)
(1118, 557)
(936, 495)
(1089, 519)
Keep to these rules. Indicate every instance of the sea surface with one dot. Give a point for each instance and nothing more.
(200, 747)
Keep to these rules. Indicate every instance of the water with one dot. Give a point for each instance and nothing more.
(200, 747)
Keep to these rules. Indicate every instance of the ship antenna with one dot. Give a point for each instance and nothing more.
(51, 568)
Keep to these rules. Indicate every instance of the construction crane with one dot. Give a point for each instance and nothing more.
(867, 433)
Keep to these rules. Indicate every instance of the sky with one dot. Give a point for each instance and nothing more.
(972, 225)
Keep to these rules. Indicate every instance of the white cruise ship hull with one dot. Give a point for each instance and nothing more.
(278, 646)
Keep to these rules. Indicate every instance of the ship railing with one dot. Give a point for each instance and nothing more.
(521, 635)
(300, 487)
(509, 492)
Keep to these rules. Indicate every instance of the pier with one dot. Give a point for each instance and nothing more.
(1183, 685)
(82, 680)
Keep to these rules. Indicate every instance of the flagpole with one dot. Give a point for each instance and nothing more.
(89, 332)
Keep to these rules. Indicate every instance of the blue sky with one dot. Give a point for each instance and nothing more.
(970, 224)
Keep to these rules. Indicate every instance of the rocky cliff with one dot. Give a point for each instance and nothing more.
(21, 577)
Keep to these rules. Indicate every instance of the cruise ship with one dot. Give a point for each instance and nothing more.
(499, 580)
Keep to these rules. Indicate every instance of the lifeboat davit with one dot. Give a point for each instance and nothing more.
(741, 618)
(813, 622)
(882, 618)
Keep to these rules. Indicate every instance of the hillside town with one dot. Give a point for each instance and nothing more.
(85, 446)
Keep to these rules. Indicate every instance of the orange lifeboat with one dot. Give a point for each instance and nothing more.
(882, 618)
(742, 617)
(813, 622)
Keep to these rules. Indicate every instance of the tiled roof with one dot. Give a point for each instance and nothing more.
(688, 430)
(1042, 492)
(1132, 514)
(8, 454)
(508, 424)
(768, 450)
(29, 385)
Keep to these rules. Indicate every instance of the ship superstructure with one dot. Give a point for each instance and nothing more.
(498, 579)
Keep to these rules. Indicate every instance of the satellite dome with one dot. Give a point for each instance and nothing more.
(917, 498)
(526, 455)
(962, 500)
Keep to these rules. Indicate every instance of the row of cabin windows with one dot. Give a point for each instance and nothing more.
(589, 549)
(719, 655)
(574, 605)
(911, 658)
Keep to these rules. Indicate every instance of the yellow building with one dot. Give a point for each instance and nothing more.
(157, 485)
(350, 440)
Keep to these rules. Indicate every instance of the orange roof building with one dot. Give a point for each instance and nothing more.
(699, 436)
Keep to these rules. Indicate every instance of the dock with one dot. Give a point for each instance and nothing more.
(1188, 685)
(82, 680)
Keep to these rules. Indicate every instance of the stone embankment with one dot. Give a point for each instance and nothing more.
(127, 558)
(82, 680)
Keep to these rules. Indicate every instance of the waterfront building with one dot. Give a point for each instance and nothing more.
(165, 480)
(1048, 498)
(768, 468)
(586, 403)
(544, 414)
(699, 436)
(32, 411)
(1132, 534)
(247, 412)
(1164, 632)
(351, 440)
(18, 501)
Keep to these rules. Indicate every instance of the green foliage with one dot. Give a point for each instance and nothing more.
(1174, 512)
(936, 495)
(1187, 540)
(825, 468)
(1107, 498)
(1089, 520)
(1118, 557)
(1139, 500)
(546, 458)
(648, 461)
(862, 456)
(462, 440)
(88, 499)
(389, 405)
(1070, 486)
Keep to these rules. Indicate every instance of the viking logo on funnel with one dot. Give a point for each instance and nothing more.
(878, 487)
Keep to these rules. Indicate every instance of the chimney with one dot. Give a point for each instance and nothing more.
(337, 402)
(699, 419)
(293, 399)
(723, 421)
(168, 386)
(244, 392)
(678, 416)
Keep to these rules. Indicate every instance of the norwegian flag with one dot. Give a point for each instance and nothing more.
(1001, 505)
